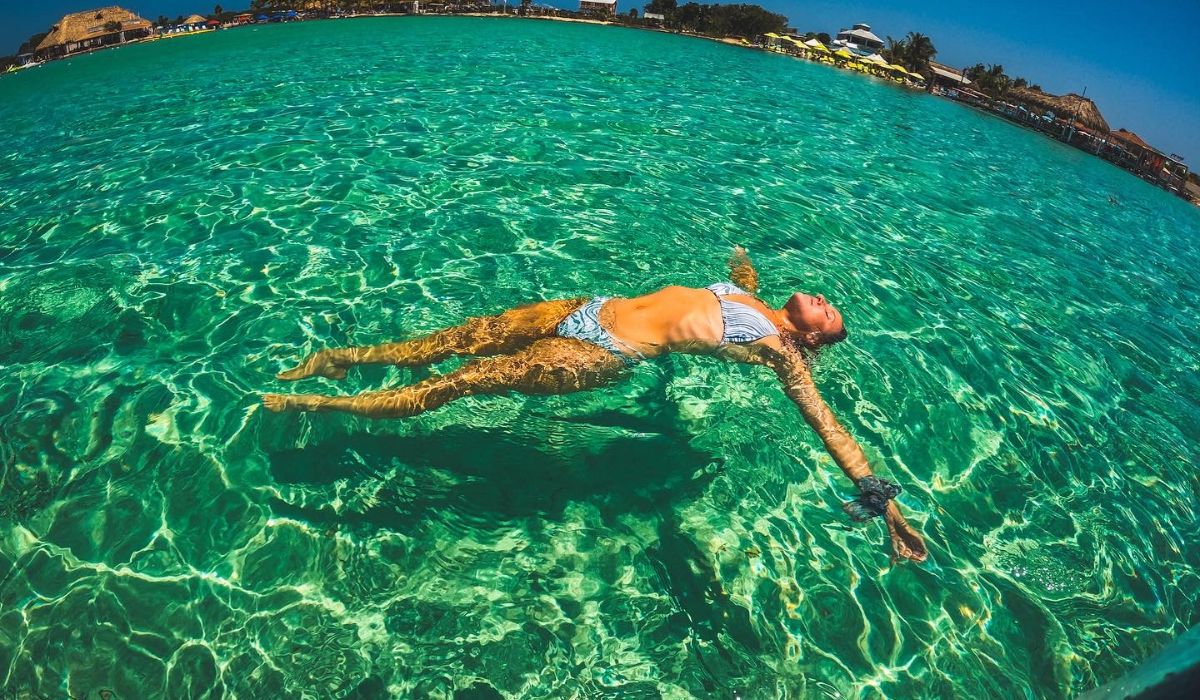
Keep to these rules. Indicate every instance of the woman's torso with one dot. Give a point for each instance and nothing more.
(673, 319)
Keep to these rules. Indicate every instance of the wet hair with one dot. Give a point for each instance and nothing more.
(812, 354)
(831, 338)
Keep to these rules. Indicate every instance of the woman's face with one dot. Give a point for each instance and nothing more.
(813, 315)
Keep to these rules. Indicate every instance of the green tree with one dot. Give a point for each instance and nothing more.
(918, 52)
(31, 44)
(218, 11)
(633, 13)
(895, 51)
(992, 79)
(823, 38)
(688, 16)
(662, 7)
(722, 20)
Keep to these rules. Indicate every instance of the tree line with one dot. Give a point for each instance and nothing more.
(718, 20)
(993, 81)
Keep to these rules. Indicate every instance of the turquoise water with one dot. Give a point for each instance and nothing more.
(181, 220)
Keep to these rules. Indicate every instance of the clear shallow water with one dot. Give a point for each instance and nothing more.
(179, 221)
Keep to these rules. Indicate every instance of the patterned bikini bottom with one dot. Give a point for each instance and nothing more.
(584, 324)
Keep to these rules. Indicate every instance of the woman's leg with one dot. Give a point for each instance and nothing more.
(486, 335)
(548, 366)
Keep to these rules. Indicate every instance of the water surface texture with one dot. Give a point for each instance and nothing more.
(181, 220)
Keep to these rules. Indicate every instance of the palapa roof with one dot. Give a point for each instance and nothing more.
(80, 26)
(1066, 106)
(1131, 138)
(195, 19)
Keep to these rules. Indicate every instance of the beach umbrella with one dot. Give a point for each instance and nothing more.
(772, 35)
(916, 76)
(898, 68)
(843, 53)
(816, 46)
(876, 59)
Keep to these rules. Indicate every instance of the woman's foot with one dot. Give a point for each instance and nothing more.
(291, 402)
(317, 363)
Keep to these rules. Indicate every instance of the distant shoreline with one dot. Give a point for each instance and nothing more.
(1189, 193)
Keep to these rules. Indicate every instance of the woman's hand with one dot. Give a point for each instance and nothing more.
(907, 543)
(741, 270)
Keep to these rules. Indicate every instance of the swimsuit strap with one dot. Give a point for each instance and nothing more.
(726, 288)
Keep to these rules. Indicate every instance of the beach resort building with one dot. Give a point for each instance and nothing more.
(946, 76)
(1128, 150)
(858, 39)
(82, 31)
(599, 8)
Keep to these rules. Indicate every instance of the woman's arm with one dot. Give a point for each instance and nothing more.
(741, 271)
(798, 384)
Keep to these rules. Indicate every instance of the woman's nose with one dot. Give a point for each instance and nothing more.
(821, 298)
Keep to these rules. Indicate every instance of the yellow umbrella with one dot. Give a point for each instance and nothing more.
(816, 46)
(798, 44)
(843, 53)
(900, 68)
(916, 76)
(772, 35)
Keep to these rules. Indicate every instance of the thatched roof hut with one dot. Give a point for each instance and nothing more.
(195, 19)
(78, 28)
(1130, 139)
(1066, 106)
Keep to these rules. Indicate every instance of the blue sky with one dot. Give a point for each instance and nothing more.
(1138, 60)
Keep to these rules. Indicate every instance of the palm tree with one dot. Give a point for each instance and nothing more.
(895, 51)
(918, 52)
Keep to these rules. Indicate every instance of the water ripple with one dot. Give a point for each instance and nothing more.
(201, 212)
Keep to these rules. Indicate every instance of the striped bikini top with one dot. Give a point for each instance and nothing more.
(743, 324)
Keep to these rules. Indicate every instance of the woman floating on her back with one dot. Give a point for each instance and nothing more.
(557, 347)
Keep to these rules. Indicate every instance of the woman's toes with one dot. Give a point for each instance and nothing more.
(317, 363)
(298, 372)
